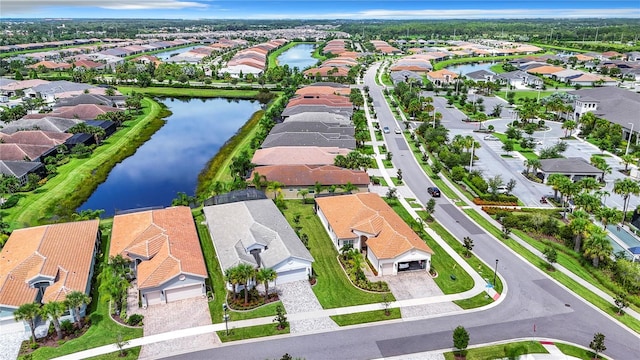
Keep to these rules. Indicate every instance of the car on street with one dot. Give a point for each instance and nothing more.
(433, 191)
(491, 138)
(502, 190)
(397, 131)
(386, 130)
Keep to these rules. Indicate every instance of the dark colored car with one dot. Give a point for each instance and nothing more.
(434, 191)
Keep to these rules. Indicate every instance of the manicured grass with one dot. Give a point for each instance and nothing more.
(485, 271)
(577, 352)
(366, 317)
(251, 332)
(333, 289)
(395, 181)
(386, 80)
(262, 311)
(132, 354)
(502, 351)
(190, 92)
(76, 180)
(379, 135)
(497, 68)
(531, 94)
(441, 262)
(528, 153)
(383, 182)
(477, 301)
(103, 330)
(387, 164)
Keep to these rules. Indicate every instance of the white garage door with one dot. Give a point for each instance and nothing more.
(183, 293)
(153, 298)
(292, 275)
(387, 269)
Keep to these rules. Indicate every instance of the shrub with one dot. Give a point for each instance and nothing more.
(458, 173)
(479, 201)
(479, 183)
(67, 326)
(135, 320)
(11, 202)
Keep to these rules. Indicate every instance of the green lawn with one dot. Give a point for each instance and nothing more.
(366, 317)
(262, 311)
(477, 301)
(190, 92)
(103, 330)
(497, 68)
(251, 332)
(574, 351)
(131, 354)
(528, 153)
(485, 271)
(502, 351)
(333, 289)
(75, 178)
(441, 261)
(531, 94)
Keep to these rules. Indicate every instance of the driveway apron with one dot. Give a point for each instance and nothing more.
(297, 297)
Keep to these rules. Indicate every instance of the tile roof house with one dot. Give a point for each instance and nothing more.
(303, 177)
(47, 123)
(35, 137)
(365, 221)
(309, 139)
(44, 263)
(443, 76)
(25, 152)
(256, 233)
(165, 250)
(297, 155)
(80, 111)
(324, 117)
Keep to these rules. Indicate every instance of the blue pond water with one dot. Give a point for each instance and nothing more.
(467, 68)
(171, 160)
(298, 56)
(172, 52)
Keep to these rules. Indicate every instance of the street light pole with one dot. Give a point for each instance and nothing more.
(473, 144)
(226, 317)
(495, 273)
(629, 141)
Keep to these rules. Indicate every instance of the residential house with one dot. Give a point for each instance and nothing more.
(481, 75)
(406, 76)
(303, 177)
(519, 78)
(371, 226)
(309, 138)
(256, 233)
(21, 169)
(47, 123)
(297, 155)
(45, 263)
(442, 77)
(164, 248)
(323, 117)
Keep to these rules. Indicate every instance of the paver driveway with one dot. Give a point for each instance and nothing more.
(297, 297)
(176, 315)
(415, 285)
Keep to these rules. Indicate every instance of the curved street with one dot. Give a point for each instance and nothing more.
(534, 301)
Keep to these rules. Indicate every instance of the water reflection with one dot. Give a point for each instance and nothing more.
(174, 156)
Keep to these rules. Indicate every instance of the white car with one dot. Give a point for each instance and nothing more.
(491, 138)
(398, 131)
(502, 190)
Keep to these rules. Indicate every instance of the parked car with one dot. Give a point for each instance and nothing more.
(386, 130)
(433, 191)
(491, 138)
(503, 190)
(398, 131)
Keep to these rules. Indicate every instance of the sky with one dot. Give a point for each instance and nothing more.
(318, 9)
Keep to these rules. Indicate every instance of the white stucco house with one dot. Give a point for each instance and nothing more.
(255, 232)
(365, 221)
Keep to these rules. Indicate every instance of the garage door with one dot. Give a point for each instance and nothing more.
(153, 298)
(183, 293)
(292, 275)
(387, 269)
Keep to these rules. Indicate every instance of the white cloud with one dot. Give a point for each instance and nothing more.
(11, 7)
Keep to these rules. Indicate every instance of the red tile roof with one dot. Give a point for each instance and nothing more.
(62, 253)
(308, 175)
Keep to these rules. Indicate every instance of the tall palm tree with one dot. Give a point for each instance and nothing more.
(608, 215)
(556, 181)
(274, 187)
(28, 312)
(266, 275)
(258, 180)
(588, 184)
(75, 300)
(231, 275)
(596, 245)
(303, 194)
(55, 310)
(578, 225)
(626, 188)
(569, 126)
(245, 272)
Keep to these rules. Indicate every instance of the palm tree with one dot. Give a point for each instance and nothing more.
(75, 300)
(349, 187)
(626, 160)
(596, 245)
(626, 188)
(55, 310)
(317, 187)
(588, 202)
(245, 273)
(265, 275)
(28, 312)
(588, 183)
(569, 126)
(274, 187)
(556, 181)
(231, 276)
(578, 225)
(608, 215)
(303, 193)
(258, 180)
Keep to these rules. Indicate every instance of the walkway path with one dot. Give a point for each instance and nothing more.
(298, 298)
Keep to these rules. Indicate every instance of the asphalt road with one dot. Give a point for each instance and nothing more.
(532, 299)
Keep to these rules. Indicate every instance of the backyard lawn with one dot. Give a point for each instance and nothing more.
(333, 289)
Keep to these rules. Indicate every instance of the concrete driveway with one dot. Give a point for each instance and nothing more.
(415, 285)
(298, 297)
(176, 315)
